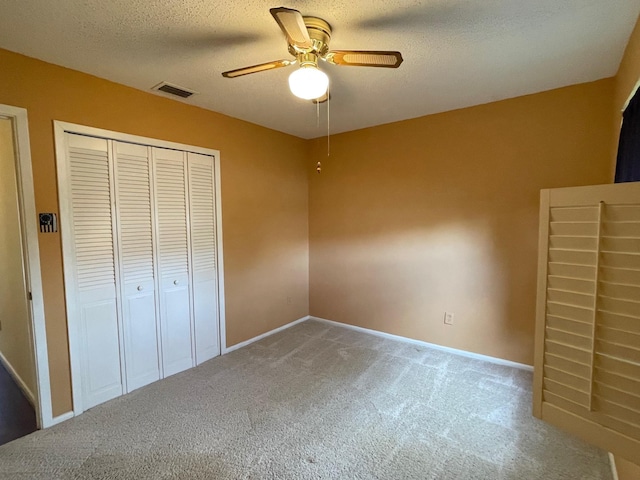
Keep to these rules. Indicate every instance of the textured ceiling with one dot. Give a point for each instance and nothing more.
(457, 53)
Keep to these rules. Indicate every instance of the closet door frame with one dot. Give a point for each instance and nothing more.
(75, 341)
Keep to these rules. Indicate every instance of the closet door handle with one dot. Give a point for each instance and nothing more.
(140, 288)
(176, 282)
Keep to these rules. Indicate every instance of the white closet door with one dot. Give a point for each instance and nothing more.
(93, 267)
(173, 259)
(203, 255)
(133, 193)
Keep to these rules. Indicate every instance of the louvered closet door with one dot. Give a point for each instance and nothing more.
(93, 266)
(133, 193)
(173, 259)
(203, 255)
(587, 376)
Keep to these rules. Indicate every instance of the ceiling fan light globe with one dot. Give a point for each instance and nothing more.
(308, 83)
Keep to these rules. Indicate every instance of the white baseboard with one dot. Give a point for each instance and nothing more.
(455, 351)
(264, 335)
(23, 386)
(614, 470)
(61, 418)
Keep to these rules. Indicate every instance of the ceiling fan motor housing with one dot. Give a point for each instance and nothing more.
(320, 34)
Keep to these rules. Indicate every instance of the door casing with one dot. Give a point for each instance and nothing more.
(31, 253)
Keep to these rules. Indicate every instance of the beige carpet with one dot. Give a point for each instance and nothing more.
(315, 402)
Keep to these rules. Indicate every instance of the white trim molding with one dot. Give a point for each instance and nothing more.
(264, 335)
(631, 95)
(29, 224)
(222, 332)
(455, 351)
(476, 356)
(614, 469)
(61, 127)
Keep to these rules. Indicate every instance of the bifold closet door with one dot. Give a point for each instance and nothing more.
(203, 255)
(94, 281)
(134, 220)
(172, 233)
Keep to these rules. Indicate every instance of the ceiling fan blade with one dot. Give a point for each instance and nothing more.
(257, 68)
(292, 24)
(365, 58)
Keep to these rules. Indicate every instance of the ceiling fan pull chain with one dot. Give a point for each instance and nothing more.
(328, 120)
(319, 165)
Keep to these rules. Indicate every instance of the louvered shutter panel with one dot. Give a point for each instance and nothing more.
(617, 333)
(587, 366)
(93, 266)
(173, 259)
(133, 193)
(203, 255)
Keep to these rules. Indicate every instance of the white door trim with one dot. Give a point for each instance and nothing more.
(33, 276)
(60, 128)
(220, 257)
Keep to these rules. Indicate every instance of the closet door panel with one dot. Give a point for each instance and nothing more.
(203, 255)
(141, 345)
(176, 325)
(101, 379)
(206, 316)
(93, 267)
(172, 234)
(133, 190)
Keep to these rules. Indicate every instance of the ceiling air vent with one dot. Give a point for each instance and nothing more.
(173, 90)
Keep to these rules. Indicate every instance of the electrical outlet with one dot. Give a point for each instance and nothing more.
(448, 318)
(289, 300)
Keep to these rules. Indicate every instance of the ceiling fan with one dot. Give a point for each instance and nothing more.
(308, 39)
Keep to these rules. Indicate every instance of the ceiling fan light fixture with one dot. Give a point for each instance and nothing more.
(308, 82)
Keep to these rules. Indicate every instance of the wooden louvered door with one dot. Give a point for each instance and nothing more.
(587, 365)
(203, 255)
(94, 283)
(172, 237)
(134, 219)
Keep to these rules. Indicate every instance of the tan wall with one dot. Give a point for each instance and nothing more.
(624, 83)
(15, 338)
(264, 194)
(440, 213)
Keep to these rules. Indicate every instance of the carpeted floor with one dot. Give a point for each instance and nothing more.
(315, 402)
